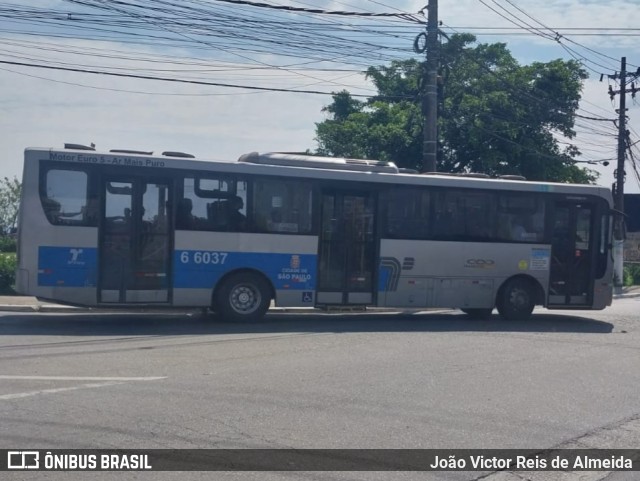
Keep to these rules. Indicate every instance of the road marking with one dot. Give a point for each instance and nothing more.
(19, 395)
(81, 378)
(100, 382)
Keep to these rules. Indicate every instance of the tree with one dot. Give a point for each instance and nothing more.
(10, 190)
(497, 117)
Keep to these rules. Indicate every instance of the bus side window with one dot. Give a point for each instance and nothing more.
(282, 207)
(64, 197)
(520, 217)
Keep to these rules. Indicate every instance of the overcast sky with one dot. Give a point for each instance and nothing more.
(46, 108)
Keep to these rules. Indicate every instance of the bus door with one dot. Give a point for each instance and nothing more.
(347, 249)
(134, 241)
(572, 254)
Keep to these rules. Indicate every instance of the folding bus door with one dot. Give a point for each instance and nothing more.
(346, 249)
(135, 241)
(572, 254)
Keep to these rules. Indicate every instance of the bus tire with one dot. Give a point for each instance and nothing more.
(478, 313)
(244, 296)
(516, 299)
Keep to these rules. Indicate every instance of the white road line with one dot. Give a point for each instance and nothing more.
(100, 382)
(80, 378)
(19, 395)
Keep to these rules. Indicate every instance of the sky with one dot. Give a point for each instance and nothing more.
(267, 48)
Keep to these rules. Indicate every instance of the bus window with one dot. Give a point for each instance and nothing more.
(213, 204)
(464, 215)
(65, 200)
(603, 246)
(280, 206)
(583, 229)
(520, 217)
(408, 213)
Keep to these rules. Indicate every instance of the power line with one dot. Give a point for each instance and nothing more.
(135, 15)
(555, 36)
(402, 15)
(185, 81)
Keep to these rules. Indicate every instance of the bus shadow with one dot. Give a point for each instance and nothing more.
(120, 324)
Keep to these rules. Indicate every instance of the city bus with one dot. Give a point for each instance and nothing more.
(127, 228)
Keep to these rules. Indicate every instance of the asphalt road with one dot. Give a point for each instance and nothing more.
(384, 380)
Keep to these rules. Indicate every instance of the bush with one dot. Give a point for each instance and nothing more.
(7, 243)
(632, 274)
(7, 273)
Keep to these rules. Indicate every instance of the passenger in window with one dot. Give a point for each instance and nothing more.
(184, 217)
(237, 220)
(518, 232)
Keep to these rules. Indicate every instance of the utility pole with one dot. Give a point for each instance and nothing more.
(618, 242)
(430, 91)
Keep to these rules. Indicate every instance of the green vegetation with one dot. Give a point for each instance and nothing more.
(497, 116)
(8, 244)
(7, 273)
(10, 190)
(632, 274)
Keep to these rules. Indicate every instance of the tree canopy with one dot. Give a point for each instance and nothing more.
(496, 117)
(10, 190)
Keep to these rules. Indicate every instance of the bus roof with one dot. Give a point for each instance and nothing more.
(305, 166)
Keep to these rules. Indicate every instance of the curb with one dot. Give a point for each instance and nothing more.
(626, 296)
(50, 308)
(53, 308)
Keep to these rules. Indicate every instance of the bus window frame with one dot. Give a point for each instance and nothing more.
(47, 166)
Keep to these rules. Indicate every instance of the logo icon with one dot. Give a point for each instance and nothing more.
(480, 263)
(75, 253)
(295, 262)
(23, 460)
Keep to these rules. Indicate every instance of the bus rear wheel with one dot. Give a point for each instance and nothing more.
(243, 297)
(516, 300)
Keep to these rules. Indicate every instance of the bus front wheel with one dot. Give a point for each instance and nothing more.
(243, 297)
(516, 300)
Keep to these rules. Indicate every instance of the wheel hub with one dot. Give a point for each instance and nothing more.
(244, 299)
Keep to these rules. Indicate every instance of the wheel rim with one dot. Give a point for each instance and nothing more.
(245, 298)
(519, 299)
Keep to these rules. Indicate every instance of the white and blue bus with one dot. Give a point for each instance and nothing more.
(126, 228)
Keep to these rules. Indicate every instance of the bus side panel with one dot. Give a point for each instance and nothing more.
(603, 287)
(201, 259)
(65, 268)
(454, 274)
(602, 293)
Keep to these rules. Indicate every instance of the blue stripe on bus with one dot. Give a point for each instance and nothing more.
(67, 266)
(203, 269)
(77, 267)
